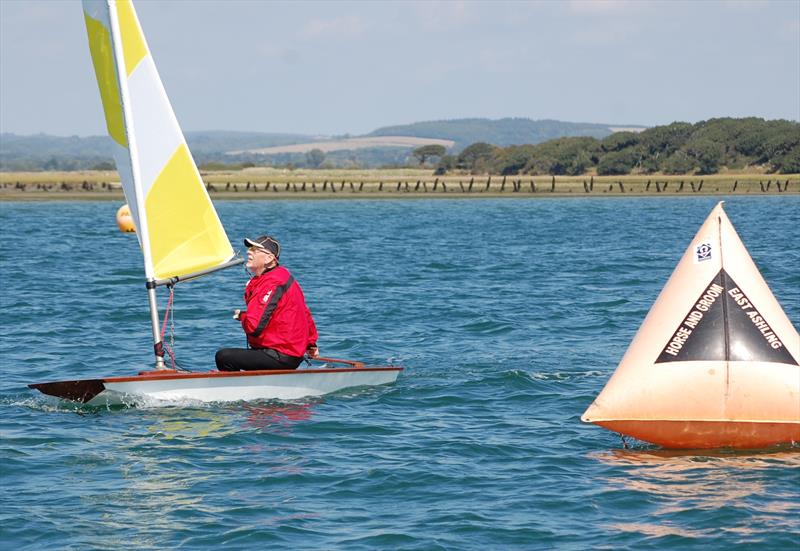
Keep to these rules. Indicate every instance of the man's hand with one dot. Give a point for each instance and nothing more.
(237, 314)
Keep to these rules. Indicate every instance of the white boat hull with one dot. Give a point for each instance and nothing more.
(217, 386)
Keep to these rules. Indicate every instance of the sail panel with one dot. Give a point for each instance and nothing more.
(134, 47)
(122, 158)
(157, 131)
(716, 345)
(183, 231)
(105, 70)
(181, 213)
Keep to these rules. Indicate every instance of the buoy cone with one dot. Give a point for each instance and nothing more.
(125, 220)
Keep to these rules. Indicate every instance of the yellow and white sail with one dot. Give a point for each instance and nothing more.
(715, 362)
(177, 226)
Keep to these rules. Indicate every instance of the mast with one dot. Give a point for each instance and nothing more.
(136, 172)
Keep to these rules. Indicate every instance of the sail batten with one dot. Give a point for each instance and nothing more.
(177, 226)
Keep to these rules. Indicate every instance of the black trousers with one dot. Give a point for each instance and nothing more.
(252, 359)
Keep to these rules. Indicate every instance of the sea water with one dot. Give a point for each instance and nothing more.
(508, 317)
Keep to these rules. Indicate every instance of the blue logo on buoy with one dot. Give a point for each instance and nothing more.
(703, 252)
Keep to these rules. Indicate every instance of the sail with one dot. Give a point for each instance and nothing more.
(715, 350)
(177, 226)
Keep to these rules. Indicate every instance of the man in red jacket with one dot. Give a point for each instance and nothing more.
(277, 322)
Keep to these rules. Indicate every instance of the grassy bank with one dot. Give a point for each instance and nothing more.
(262, 183)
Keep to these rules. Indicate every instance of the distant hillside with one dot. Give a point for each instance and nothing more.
(391, 145)
(217, 141)
(502, 132)
(41, 151)
(350, 144)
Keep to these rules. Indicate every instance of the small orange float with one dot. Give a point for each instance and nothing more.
(125, 220)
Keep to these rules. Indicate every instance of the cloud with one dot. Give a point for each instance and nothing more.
(744, 5)
(281, 53)
(444, 16)
(791, 30)
(346, 26)
(599, 7)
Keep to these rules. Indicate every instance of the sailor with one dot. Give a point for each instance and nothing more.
(277, 322)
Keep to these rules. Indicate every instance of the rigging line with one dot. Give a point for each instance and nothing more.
(172, 331)
(170, 314)
(164, 325)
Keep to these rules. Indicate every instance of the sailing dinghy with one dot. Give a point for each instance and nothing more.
(715, 363)
(178, 229)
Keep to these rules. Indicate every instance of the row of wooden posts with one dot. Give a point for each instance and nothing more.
(514, 186)
(421, 186)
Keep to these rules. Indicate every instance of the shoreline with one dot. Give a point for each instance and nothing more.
(94, 186)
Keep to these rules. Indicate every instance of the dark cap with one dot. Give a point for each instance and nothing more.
(265, 242)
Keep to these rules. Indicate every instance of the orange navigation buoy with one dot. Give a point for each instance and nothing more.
(715, 362)
(125, 220)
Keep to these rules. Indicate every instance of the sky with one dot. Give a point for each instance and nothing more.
(333, 68)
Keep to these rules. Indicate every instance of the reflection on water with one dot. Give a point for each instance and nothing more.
(277, 418)
(200, 424)
(165, 469)
(677, 482)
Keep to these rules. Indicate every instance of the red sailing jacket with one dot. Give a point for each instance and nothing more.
(290, 328)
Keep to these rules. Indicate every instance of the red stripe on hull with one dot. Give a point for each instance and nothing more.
(708, 434)
(169, 374)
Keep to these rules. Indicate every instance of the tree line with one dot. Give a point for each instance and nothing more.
(678, 148)
(502, 132)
